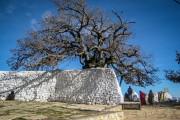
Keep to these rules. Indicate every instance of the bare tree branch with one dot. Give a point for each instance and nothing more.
(173, 75)
(78, 31)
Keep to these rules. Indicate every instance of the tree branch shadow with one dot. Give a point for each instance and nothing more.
(24, 79)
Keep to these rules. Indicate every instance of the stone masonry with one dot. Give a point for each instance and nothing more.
(90, 86)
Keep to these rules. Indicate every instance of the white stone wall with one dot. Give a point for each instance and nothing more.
(91, 86)
(28, 85)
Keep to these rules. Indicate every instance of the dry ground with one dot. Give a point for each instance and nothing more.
(153, 113)
(14, 110)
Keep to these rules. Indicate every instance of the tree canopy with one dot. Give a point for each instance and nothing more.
(94, 37)
(173, 75)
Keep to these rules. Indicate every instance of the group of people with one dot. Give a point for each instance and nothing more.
(149, 98)
(131, 95)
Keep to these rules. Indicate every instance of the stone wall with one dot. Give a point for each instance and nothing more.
(28, 85)
(91, 86)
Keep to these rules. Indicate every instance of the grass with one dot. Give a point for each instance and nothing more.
(16, 110)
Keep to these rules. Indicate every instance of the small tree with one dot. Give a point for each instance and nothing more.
(87, 34)
(173, 75)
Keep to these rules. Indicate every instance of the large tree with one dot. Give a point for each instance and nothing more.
(88, 34)
(173, 75)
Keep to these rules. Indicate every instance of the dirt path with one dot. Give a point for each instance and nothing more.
(153, 113)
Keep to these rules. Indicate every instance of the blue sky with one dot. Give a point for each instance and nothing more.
(156, 31)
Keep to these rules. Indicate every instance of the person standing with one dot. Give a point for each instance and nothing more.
(130, 91)
(151, 97)
(142, 98)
